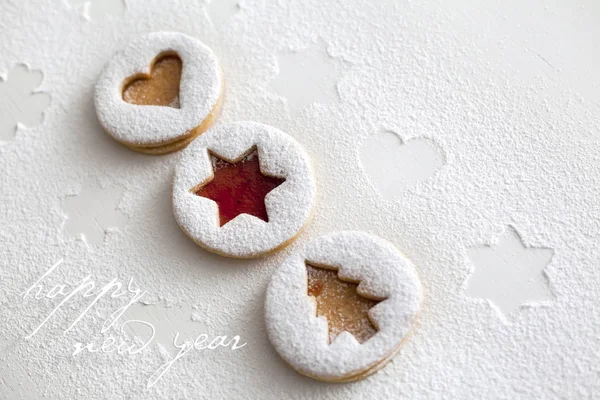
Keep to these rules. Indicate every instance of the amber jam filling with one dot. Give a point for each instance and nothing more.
(340, 303)
(160, 88)
(239, 188)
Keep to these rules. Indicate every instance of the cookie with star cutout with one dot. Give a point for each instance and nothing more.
(243, 190)
(159, 93)
(340, 308)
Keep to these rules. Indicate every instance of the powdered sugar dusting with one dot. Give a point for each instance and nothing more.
(301, 337)
(520, 139)
(289, 205)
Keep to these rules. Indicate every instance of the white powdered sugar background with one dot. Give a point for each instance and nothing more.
(465, 133)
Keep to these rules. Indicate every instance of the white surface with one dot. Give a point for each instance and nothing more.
(508, 90)
(509, 274)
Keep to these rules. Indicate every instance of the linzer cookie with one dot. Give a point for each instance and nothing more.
(159, 93)
(243, 190)
(339, 309)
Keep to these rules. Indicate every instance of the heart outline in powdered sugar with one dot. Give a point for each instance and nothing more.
(392, 163)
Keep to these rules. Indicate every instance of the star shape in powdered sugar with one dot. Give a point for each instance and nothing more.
(509, 273)
(307, 76)
(239, 188)
(92, 212)
(20, 102)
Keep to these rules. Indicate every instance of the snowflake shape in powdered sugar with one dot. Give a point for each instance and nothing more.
(92, 212)
(93, 9)
(509, 274)
(20, 103)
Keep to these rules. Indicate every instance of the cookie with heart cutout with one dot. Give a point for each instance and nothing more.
(340, 308)
(159, 93)
(243, 190)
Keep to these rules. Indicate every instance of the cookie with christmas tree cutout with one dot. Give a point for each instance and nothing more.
(159, 93)
(340, 309)
(243, 190)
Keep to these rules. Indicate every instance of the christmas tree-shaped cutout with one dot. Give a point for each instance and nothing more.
(340, 303)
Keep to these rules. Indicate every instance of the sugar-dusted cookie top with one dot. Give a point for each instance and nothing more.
(302, 295)
(243, 189)
(159, 90)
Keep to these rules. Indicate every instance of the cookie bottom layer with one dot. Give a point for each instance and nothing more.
(362, 374)
(252, 255)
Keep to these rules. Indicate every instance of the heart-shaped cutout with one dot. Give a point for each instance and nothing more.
(160, 87)
(160, 92)
(394, 164)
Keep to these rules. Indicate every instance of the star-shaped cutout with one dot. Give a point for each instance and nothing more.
(239, 188)
(340, 303)
(508, 273)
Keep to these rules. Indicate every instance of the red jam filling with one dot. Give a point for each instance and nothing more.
(239, 188)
